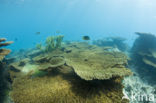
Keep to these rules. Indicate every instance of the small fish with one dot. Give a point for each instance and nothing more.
(38, 33)
(86, 38)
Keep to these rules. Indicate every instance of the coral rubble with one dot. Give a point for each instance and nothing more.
(74, 73)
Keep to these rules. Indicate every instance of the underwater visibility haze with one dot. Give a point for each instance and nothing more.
(77, 51)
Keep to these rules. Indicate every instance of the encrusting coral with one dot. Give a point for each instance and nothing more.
(75, 73)
(4, 52)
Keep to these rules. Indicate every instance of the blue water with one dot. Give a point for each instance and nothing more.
(21, 19)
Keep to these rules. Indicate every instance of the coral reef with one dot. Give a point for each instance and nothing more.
(144, 55)
(48, 63)
(50, 43)
(65, 88)
(53, 42)
(59, 40)
(115, 42)
(76, 73)
(145, 48)
(3, 82)
(100, 65)
(39, 46)
(4, 52)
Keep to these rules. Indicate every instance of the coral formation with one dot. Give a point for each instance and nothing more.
(50, 43)
(115, 42)
(59, 40)
(91, 65)
(3, 82)
(65, 88)
(76, 73)
(53, 42)
(4, 52)
(145, 49)
(144, 55)
(39, 46)
(48, 63)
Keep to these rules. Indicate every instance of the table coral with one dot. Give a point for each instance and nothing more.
(86, 74)
(145, 49)
(48, 63)
(4, 52)
(100, 64)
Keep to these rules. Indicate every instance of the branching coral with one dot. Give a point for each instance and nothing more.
(4, 52)
(53, 42)
(50, 43)
(59, 40)
(39, 46)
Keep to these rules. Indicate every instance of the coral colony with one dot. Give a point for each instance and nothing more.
(72, 73)
(79, 72)
(4, 52)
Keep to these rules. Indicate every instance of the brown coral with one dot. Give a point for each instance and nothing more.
(48, 63)
(98, 65)
(65, 88)
(4, 52)
(72, 79)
